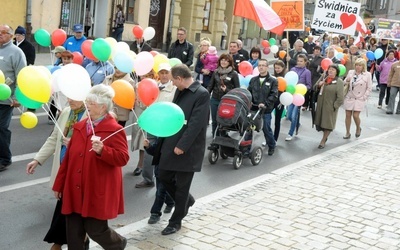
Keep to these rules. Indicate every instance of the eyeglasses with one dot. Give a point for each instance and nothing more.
(4, 32)
(181, 34)
(262, 65)
(204, 45)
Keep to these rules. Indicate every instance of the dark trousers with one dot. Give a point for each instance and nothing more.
(5, 134)
(161, 196)
(378, 76)
(307, 99)
(278, 117)
(98, 230)
(52, 116)
(214, 110)
(384, 88)
(178, 186)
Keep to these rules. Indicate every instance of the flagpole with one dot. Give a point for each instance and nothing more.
(287, 49)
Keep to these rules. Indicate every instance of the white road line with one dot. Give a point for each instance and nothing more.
(24, 184)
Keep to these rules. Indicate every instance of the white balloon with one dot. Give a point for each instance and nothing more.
(286, 98)
(274, 48)
(120, 46)
(54, 81)
(144, 63)
(149, 33)
(74, 82)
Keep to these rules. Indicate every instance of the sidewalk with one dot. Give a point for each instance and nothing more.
(344, 198)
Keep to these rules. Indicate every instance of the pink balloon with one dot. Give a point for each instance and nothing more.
(266, 50)
(144, 63)
(256, 72)
(298, 99)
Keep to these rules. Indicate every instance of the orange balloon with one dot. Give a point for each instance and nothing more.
(282, 54)
(124, 94)
(342, 61)
(148, 91)
(346, 57)
(338, 49)
(308, 29)
(265, 43)
(281, 84)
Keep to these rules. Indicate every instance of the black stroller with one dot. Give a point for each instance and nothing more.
(234, 115)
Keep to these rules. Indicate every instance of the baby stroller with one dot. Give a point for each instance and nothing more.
(234, 115)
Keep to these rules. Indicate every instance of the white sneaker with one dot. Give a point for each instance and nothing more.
(379, 106)
(288, 138)
(264, 144)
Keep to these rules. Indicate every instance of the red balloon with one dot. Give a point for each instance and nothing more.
(325, 63)
(87, 49)
(58, 37)
(265, 43)
(147, 91)
(245, 68)
(137, 31)
(343, 61)
(154, 53)
(266, 51)
(78, 58)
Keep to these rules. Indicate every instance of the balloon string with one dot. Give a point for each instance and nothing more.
(11, 100)
(90, 120)
(119, 130)
(53, 119)
(137, 119)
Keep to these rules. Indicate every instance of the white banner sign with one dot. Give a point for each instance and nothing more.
(336, 16)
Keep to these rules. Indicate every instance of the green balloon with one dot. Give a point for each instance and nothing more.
(291, 89)
(162, 119)
(5, 92)
(342, 70)
(272, 41)
(101, 49)
(42, 37)
(174, 61)
(25, 101)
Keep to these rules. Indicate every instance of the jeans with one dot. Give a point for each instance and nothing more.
(5, 134)
(117, 34)
(269, 137)
(393, 93)
(293, 116)
(384, 88)
(214, 109)
(161, 196)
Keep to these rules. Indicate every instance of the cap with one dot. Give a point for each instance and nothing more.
(212, 50)
(78, 28)
(58, 49)
(20, 30)
(164, 66)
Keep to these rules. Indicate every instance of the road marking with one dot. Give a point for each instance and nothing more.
(24, 184)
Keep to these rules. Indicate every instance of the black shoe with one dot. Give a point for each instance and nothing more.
(389, 113)
(271, 151)
(124, 242)
(144, 184)
(154, 218)
(87, 243)
(137, 172)
(168, 209)
(171, 229)
(3, 167)
(191, 201)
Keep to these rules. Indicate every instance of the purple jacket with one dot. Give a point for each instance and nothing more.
(384, 68)
(304, 76)
(210, 62)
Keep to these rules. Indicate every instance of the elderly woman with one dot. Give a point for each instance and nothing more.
(90, 177)
(225, 78)
(203, 75)
(360, 85)
(56, 144)
(330, 97)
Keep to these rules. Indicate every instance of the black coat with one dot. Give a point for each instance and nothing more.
(182, 51)
(315, 67)
(29, 51)
(266, 93)
(194, 101)
(244, 53)
(231, 82)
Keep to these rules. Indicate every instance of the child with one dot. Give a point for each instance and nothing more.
(210, 61)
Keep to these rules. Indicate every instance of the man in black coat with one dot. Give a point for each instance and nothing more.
(236, 56)
(181, 155)
(24, 45)
(140, 45)
(181, 48)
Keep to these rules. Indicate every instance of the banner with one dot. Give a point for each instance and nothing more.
(336, 16)
(388, 29)
(291, 12)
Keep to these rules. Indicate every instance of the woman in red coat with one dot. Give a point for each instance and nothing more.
(90, 177)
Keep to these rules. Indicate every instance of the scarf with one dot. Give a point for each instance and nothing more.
(223, 73)
(329, 80)
(74, 116)
(94, 123)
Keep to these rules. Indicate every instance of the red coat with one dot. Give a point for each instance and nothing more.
(91, 184)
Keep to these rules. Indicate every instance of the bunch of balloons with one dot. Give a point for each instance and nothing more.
(147, 34)
(57, 37)
(294, 92)
(246, 73)
(374, 55)
(269, 46)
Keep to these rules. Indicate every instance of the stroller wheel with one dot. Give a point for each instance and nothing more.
(256, 156)
(237, 161)
(223, 155)
(213, 156)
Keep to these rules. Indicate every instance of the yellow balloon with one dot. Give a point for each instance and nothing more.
(111, 41)
(158, 59)
(28, 120)
(2, 77)
(34, 83)
(300, 89)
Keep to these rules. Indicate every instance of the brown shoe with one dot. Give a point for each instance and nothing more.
(144, 184)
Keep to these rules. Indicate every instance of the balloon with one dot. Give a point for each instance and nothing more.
(346, 57)
(282, 54)
(340, 55)
(300, 89)
(286, 98)
(162, 119)
(137, 31)
(291, 78)
(101, 49)
(298, 99)
(78, 57)
(154, 53)
(274, 48)
(147, 91)
(245, 68)
(256, 71)
(266, 50)
(5, 92)
(378, 53)
(265, 43)
(325, 63)
(158, 59)
(342, 70)
(34, 82)
(370, 55)
(124, 94)
(86, 48)
(338, 49)
(58, 37)
(281, 84)
(74, 81)
(54, 68)
(54, 81)
(28, 120)
(272, 42)
(25, 101)
(120, 46)
(291, 89)
(343, 61)
(308, 29)
(42, 37)
(111, 41)
(123, 62)
(174, 61)
(2, 77)
(144, 63)
(149, 33)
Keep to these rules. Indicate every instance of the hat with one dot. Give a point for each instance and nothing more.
(58, 49)
(212, 50)
(164, 66)
(20, 30)
(78, 28)
(67, 54)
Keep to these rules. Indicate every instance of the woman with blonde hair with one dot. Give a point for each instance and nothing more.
(359, 87)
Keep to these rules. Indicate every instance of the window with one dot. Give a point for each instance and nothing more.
(206, 18)
(130, 9)
(383, 4)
